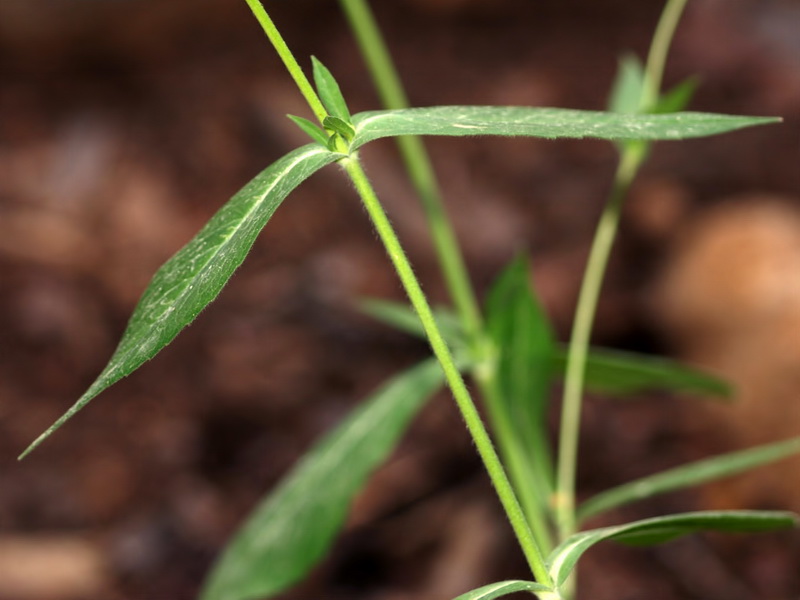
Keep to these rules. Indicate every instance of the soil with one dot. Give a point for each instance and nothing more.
(125, 125)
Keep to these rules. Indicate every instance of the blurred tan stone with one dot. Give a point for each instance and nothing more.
(730, 300)
(40, 568)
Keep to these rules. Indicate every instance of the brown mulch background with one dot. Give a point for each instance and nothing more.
(125, 124)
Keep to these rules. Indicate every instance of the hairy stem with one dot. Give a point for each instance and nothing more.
(418, 165)
(456, 383)
(288, 59)
(421, 173)
(531, 486)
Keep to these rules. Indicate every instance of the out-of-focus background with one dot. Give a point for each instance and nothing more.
(124, 124)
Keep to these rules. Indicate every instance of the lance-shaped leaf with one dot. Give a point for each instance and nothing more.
(520, 329)
(311, 129)
(621, 373)
(677, 98)
(329, 91)
(562, 560)
(504, 588)
(543, 122)
(689, 475)
(525, 343)
(192, 278)
(294, 526)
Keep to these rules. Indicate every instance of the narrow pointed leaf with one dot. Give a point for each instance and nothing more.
(542, 122)
(661, 529)
(192, 278)
(626, 91)
(622, 373)
(311, 129)
(504, 588)
(689, 475)
(290, 531)
(329, 92)
(523, 335)
(677, 98)
(525, 343)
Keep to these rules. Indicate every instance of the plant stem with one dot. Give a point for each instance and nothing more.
(418, 164)
(288, 59)
(564, 500)
(659, 48)
(376, 54)
(456, 383)
(633, 154)
(532, 487)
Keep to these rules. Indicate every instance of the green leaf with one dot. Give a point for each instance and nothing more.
(329, 92)
(295, 525)
(504, 588)
(339, 126)
(626, 91)
(677, 98)
(192, 278)
(522, 333)
(692, 474)
(542, 122)
(562, 560)
(311, 129)
(525, 343)
(620, 373)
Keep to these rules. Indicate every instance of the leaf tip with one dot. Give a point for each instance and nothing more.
(36, 443)
(95, 389)
(310, 129)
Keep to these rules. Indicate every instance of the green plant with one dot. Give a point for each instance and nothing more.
(508, 348)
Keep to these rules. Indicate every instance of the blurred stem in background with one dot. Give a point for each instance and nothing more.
(632, 156)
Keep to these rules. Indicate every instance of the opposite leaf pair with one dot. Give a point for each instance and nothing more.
(338, 130)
